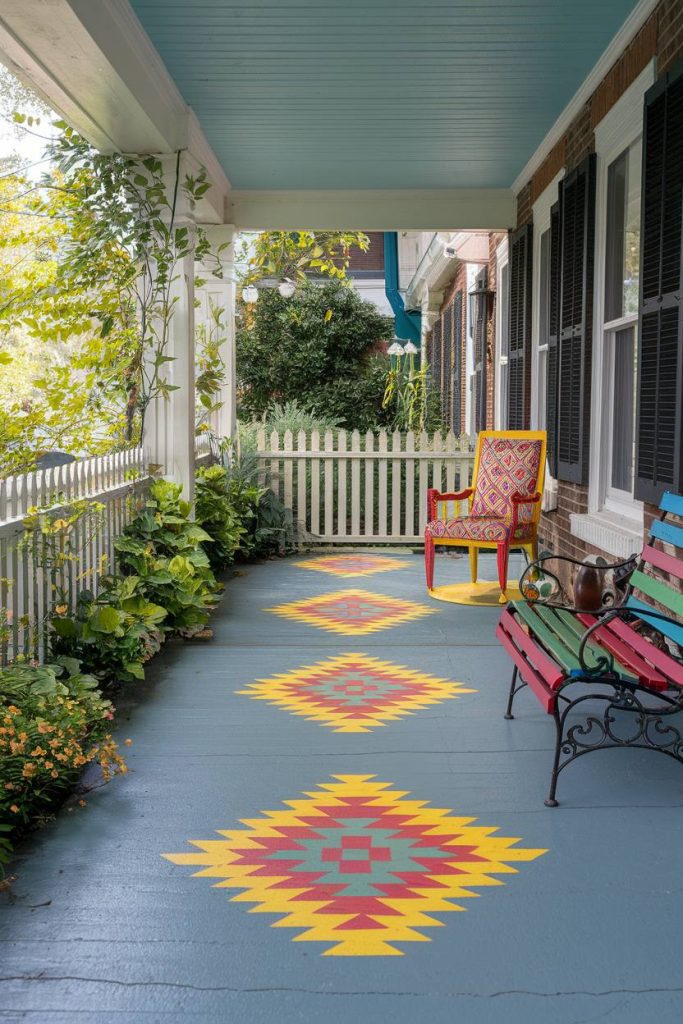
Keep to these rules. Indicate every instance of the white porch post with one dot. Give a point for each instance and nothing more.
(169, 428)
(217, 296)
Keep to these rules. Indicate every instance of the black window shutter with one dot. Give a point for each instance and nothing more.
(447, 371)
(553, 335)
(456, 411)
(575, 350)
(481, 285)
(659, 433)
(436, 355)
(519, 337)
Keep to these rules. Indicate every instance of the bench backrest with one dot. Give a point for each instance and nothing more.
(657, 583)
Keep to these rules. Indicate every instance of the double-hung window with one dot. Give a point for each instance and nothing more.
(614, 521)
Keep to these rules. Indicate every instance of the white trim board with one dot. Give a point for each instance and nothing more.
(466, 209)
(624, 36)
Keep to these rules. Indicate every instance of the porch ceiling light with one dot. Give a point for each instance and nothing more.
(286, 288)
(250, 294)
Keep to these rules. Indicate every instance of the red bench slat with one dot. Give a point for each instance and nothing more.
(528, 673)
(669, 667)
(552, 674)
(623, 649)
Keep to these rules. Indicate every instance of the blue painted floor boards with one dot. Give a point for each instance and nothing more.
(100, 928)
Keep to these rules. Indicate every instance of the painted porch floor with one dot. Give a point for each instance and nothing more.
(101, 927)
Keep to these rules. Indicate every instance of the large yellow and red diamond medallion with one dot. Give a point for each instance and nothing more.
(352, 565)
(353, 692)
(352, 612)
(356, 865)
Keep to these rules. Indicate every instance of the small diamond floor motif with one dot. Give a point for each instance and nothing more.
(352, 565)
(352, 612)
(353, 692)
(356, 865)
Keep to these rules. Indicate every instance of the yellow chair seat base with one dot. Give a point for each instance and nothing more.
(483, 594)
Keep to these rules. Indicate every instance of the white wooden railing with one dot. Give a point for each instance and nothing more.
(348, 488)
(26, 595)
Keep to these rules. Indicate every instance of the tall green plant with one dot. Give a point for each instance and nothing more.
(164, 549)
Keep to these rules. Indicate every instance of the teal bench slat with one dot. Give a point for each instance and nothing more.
(672, 503)
(667, 532)
(674, 632)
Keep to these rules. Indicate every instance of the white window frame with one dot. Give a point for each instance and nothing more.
(541, 213)
(470, 402)
(614, 521)
(502, 260)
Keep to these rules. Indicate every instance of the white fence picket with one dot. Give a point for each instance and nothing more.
(28, 591)
(370, 488)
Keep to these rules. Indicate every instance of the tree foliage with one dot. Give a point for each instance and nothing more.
(316, 347)
(294, 255)
(91, 254)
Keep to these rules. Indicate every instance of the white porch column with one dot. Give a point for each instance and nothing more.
(169, 428)
(217, 311)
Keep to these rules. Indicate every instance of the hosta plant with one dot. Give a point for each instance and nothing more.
(164, 549)
(112, 634)
(218, 515)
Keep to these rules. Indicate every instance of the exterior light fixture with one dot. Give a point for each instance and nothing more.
(396, 349)
(409, 348)
(286, 288)
(250, 294)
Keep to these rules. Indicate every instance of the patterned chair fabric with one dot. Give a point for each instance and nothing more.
(477, 528)
(506, 466)
(508, 462)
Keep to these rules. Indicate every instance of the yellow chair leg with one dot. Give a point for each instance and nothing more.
(474, 553)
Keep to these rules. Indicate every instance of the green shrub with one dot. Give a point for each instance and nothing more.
(112, 634)
(316, 348)
(164, 549)
(217, 514)
(54, 722)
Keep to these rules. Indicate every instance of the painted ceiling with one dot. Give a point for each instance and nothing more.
(317, 94)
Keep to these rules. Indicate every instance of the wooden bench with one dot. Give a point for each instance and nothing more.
(620, 670)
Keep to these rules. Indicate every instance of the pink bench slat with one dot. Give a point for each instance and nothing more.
(641, 651)
(661, 560)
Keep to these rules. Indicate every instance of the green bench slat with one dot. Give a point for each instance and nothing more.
(667, 532)
(593, 648)
(659, 591)
(566, 657)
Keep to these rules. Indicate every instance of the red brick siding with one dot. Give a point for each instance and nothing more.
(669, 34)
(373, 259)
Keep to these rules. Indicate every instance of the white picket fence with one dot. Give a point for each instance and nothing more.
(346, 488)
(25, 587)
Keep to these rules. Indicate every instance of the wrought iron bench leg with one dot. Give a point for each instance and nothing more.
(559, 728)
(514, 688)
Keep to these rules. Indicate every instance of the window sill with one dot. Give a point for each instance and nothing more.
(620, 536)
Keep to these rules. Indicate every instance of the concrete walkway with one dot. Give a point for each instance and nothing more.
(340, 897)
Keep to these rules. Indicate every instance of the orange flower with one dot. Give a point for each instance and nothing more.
(129, 743)
(14, 809)
(28, 770)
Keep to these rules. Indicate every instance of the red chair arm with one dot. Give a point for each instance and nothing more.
(433, 496)
(526, 499)
(522, 499)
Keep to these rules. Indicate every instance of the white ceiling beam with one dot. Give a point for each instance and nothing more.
(373, 210)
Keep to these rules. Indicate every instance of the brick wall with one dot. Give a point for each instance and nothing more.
(373, 259)
(661, 37)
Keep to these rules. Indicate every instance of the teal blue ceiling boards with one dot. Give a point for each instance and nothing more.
(315, 94)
